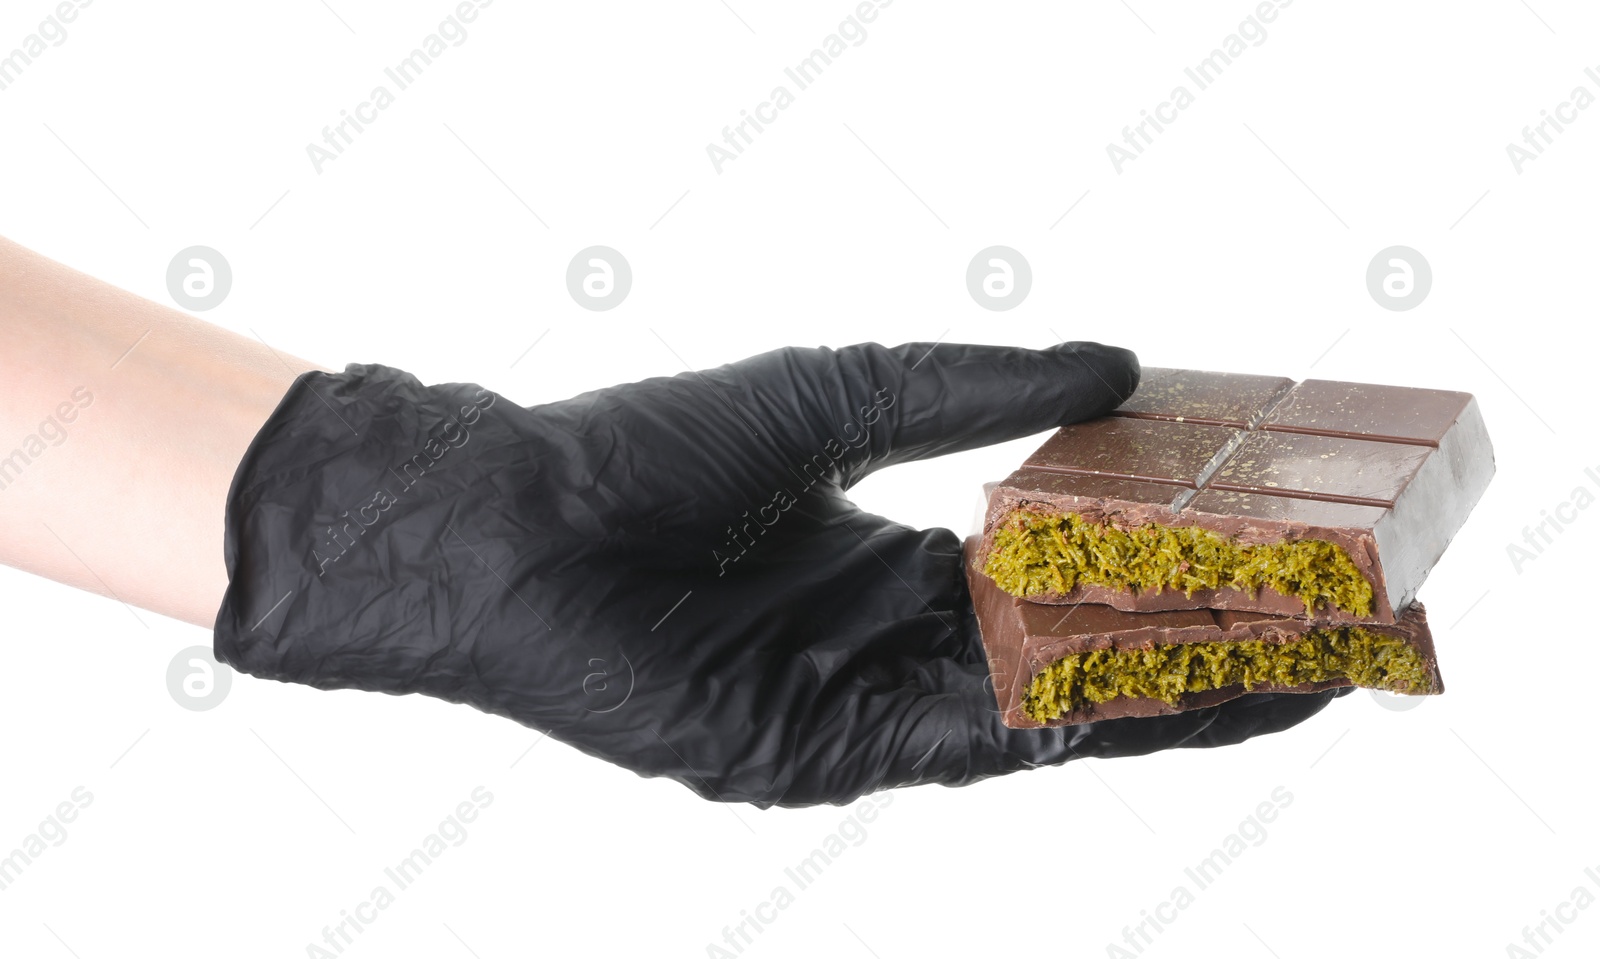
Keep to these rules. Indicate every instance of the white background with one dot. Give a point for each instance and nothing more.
(1238, 241)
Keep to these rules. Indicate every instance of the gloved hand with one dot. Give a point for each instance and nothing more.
(668, 574)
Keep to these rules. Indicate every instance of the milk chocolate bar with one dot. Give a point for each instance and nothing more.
(1061, 665)
(1255, 493)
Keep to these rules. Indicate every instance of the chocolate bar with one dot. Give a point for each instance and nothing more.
(1061, 665)
(1243, 492)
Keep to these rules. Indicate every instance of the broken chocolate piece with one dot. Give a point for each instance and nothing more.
(1062, 665)
(1320, 498)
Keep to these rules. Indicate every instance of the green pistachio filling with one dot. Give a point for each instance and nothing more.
(1368, 659)
(1036, 553)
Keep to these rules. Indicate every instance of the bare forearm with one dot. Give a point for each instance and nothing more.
(121, 424)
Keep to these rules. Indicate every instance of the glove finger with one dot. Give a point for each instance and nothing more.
(1262, 713)
(956, 738)
(851, 411)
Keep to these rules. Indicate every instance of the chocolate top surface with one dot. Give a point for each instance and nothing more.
(1093, 486)
(1158, 451)
(1354, 443)
(1200, 396)
(1321, 467)
(1396, 413)
(1271, 506)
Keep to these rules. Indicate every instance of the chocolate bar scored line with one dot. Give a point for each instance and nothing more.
(1183, 499)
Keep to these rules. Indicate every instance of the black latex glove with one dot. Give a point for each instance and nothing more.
(667, 574)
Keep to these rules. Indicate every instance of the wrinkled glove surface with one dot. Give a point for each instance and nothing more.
(668, 574)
